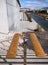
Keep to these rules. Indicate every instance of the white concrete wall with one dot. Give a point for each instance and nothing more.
(13, 14)
(33, 25)
(3, 17)
(10, 18)
(26, 26)
(23, 16)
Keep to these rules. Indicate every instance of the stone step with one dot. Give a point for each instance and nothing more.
(1, 60)
(17, 64)
(20, 56)
(3, 53)
(5, 44)
(14, 60)
(31, 57)
(16, 57)
(26, 54)
(27, 60)
(21, 64)
(30, 64)
(37, 60)
(31, 60)
(4, 64)
(4, 48)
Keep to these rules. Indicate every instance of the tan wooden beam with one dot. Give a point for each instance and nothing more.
(36, 45)
(13, 47)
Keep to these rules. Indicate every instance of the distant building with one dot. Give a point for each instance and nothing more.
(45, 9)
(24, 9)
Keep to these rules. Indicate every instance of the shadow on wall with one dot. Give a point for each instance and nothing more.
(11, 27)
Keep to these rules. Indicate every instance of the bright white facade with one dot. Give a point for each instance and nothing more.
(11, 19)
(13, 14)
(9, 15)
(3, 17)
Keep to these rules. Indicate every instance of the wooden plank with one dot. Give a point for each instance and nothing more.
(37, 46)
(13, 47)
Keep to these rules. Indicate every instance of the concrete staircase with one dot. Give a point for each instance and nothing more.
(31, 58)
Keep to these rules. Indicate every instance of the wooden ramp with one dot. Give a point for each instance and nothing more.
(36, 45)
(13, 47)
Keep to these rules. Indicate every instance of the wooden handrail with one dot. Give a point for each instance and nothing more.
(13, 47)
(36, 45)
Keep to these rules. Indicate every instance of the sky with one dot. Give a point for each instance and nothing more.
(34, 3)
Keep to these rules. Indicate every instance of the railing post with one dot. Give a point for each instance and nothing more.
(25, 49)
